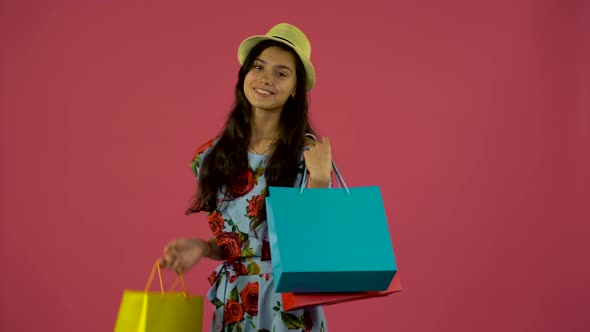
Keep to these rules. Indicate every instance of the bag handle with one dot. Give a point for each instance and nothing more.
(151, 279)
(339, 178)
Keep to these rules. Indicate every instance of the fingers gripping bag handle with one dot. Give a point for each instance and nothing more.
(338, 175)
(159, 270)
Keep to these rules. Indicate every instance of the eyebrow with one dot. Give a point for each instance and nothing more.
(276, 66)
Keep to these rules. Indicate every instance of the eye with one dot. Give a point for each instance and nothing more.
(280, 74)
(257, 67)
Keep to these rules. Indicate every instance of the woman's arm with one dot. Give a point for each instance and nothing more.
(214, 252)
(181, 255)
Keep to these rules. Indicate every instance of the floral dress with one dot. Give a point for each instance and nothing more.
(242, 288)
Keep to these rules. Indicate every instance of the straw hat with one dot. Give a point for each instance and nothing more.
(289, 35)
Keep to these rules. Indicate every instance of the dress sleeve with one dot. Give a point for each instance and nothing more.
(199, 155)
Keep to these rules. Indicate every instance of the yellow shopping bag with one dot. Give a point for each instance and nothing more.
(160, 311)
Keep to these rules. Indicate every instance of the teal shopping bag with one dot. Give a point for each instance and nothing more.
(329, 239)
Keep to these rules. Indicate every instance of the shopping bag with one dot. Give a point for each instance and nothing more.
(293, 301)
(329, 239)
(144, 311)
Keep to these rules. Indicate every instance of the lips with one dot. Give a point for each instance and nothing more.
(263, 92)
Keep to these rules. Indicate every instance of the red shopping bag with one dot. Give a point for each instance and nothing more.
(292, 301)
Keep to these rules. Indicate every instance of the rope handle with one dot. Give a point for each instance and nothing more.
(151, 279)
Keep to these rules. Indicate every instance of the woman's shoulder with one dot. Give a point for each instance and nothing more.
(204, 147)
(198, 156)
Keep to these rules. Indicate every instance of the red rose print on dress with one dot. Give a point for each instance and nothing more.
(308, 321)
(249, 296)
(233, 313)
(212, 277)
(216, 222)
(265, 251)
(243, 184)
(256, 206)
(240, 269)
(230, 245)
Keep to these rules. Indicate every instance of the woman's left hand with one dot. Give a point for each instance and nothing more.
(318, 160)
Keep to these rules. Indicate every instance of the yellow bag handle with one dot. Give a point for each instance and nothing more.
(151, 279)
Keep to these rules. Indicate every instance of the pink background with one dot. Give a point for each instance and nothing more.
(472, 116)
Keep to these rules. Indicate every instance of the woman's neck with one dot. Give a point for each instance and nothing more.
(265, 125)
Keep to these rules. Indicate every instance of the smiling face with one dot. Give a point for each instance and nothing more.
(271, 80)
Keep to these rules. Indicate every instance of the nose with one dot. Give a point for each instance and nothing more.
(266, 78)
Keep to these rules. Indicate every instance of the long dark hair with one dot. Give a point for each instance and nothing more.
(228, 158)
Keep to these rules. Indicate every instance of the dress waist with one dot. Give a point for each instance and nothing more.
(230, 271)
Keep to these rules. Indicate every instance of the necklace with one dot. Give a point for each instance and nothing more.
(267, 147)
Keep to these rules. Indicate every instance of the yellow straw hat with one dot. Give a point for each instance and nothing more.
(289, 35)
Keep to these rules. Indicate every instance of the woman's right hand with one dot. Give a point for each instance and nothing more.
(182, 254)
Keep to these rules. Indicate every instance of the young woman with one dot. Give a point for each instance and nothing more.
(263, 144)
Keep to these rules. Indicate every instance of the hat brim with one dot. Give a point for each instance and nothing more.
(247, 45)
